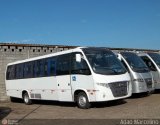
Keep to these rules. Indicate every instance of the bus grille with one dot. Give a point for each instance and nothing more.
(119, 88)
(149, 82)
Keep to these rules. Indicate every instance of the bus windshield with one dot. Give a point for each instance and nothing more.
(104, 61)
(155, 57)
(135, 62)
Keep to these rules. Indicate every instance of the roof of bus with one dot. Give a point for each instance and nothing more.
(52, 54)
(45, 56)
(146, 53)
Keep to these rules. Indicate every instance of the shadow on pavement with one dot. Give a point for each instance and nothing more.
(108, 103)
(139, 95)
(72, 104)
(157, 91)
(4, 111)
(55, 103)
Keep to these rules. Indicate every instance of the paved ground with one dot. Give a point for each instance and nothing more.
(147, 107)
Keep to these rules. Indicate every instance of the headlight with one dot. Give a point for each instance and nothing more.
(103, 84)
(138, 80)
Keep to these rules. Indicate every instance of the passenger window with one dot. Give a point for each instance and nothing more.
(149, 63)
(46, 67)
(52, 66)
(79, 67)
(10, 72)
(28, 70)
(39, 68)
(49, 67)
(63, 65)
(19, 71)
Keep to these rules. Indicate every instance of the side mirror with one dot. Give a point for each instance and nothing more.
(78, 57)
(119, 57)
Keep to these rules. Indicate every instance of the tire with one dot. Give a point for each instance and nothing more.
(82, 101)
(26, 99)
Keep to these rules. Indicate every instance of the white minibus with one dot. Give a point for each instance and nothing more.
(140, 74)
(152, 60)
(82, 75)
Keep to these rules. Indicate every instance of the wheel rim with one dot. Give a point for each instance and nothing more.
(26, 98)
(82, 101)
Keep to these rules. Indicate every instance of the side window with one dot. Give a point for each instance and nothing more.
(125, 65)
(19, 71)
(49, 66)
(149, 63)
(46, 67)
(79, 67)
(10, 72)
(39, 68)
(63, 65)
(28, 70)
(52, 64)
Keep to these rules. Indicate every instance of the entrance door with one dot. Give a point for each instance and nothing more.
(63, 78)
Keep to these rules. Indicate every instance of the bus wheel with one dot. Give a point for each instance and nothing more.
(82, 101)
(26, 99)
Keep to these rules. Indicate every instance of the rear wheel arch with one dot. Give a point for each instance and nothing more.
(26, 97)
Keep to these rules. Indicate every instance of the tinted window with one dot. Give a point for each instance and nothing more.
(10, 72)
(63, 65)
(46, 67)
(149, 63)
(28, 70)
(135, 62)
(39, 68)
(52, 63)
(104, 61)
(19, 71)
(155, 57)
(49, 66)
(79, 67)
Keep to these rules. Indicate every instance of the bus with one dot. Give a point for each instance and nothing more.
(82, 75)
(140, 74)
(152, 60)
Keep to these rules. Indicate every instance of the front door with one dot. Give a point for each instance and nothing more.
(63, 78)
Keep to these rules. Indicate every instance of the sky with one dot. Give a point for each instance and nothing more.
(99, 23)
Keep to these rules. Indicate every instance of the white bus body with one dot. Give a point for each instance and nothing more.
(152, 60)
(140, 74)
(69, 76)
